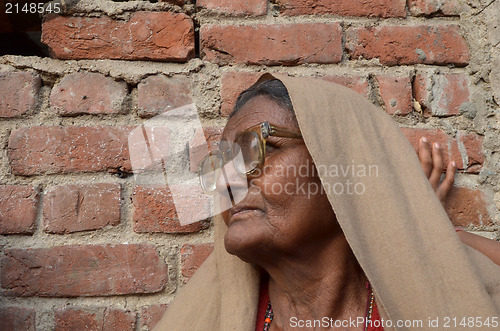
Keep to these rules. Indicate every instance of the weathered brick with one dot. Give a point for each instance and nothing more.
(151, 315)
(93, 319)
(206, 139)
(400, 45)
(376, 8)
(469, 156)
(467, 206)
(17, 319)
(157, 94)
(192, 257)
(19, 93)
(235, 7)
(436, 7)
(18, 209)
(356, 83)
(73, 208)
(161, 36)
(88, 93)
(272, 44)
(155, 211)
(82, 270)
(149, 147)
(48, 150)
(396, 94)
(441, 95)
(233, 83)
(422, 93)
(473, 146)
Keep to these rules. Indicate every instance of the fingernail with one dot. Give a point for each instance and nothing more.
(436, 145)
(424, 139)
(453, 164)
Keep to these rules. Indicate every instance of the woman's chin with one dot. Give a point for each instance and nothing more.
(244, 244)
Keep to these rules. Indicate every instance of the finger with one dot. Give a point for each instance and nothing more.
(425, 156)
(447, 182)
(437, 165)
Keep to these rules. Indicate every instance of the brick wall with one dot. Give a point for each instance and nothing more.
(84, 246)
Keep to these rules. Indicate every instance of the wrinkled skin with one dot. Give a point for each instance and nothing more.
(274, 221)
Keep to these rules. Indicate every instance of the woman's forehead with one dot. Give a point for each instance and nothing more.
(257, 110)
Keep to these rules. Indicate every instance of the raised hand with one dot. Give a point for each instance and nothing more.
(431, 159)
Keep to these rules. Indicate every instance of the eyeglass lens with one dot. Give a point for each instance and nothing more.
(246, 152)
(210, 169)
(245, 155)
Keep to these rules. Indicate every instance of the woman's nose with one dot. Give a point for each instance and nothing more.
(231, 185)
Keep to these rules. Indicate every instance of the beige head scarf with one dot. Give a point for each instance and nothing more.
(397, 228)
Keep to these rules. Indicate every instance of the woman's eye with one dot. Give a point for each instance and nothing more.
(270, 148)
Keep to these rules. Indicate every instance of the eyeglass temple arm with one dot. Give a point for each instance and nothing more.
(285, 133)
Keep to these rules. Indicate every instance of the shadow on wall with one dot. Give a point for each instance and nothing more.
(21, 25)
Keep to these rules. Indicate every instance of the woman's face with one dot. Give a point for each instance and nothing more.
(284, 210)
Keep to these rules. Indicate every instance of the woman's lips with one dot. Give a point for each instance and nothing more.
(240, 211)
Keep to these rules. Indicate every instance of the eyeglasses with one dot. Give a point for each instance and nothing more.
(247, 152)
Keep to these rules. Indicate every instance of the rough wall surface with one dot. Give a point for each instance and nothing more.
(83, 246)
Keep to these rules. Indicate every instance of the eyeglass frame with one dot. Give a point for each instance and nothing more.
(263, 130)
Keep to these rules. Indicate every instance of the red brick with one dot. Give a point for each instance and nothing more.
(82, 270)
(157, 94)
(273, 44)
(151, 315)
(19, 93)
(204, 140)
(421, 88)
(235, 7)
(88, 93)
(93, 319)
(401, 45)
(441, 95)
(396, 94)
(49, 150)
(154, 210)
(17, 319)
(233, 83)
(473, 146)
(192, 257)
(356, 83)
(149, 147)
(161, 36)
(18, 209)
(376, 8)
(73, 208)
(467, 206)
(436, 7)
(468, 157)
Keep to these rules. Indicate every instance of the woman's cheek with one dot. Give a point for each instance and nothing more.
(278, 180)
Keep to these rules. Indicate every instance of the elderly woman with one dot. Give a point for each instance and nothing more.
(329, 222)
